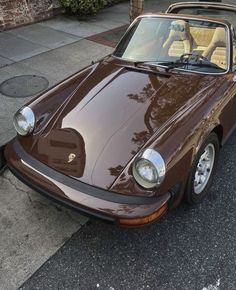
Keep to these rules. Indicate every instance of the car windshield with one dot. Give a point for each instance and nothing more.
(167, 41)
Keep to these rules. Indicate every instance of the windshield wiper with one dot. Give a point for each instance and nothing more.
(167, 64)
(175, 64)
(193, 59)
(185, 60)
(140, 64)
(171, 65)
(147, 62)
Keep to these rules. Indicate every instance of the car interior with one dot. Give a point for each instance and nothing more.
(209, 42)
(218, 55)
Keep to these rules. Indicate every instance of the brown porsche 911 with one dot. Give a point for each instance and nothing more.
(128, 137)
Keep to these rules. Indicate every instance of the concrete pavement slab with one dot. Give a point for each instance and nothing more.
(7, 109)
(44, 36)
(116, 18)
(94, 25)
(4, 75)
(7, 131)
(16, 48)
(32, 229)
(119, 14)
(4, 61)
(67, 60)
(119, 8)
(73, 26)
(86, 50)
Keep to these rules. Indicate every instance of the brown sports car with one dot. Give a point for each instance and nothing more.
(130, 136)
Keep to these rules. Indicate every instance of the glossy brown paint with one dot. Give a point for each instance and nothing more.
(93, 205)
(110, 111)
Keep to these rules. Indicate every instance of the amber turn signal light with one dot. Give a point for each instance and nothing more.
(143, 221)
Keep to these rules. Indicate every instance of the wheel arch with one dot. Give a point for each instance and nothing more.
(216, 128)
(219, 132)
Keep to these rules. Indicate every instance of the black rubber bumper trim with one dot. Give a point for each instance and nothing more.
(80, 186)
(60, 200)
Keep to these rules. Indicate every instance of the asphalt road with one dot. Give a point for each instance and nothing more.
(189, 248)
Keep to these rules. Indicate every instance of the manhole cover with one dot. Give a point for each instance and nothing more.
(23, 86)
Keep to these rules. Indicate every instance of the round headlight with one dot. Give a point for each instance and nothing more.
(149, 169)
(24, 121)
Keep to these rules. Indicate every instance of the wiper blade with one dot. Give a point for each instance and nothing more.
(171, 64)
(187, 64)
(185, 60)
(193, 59)
(167, 64)
(148, 62)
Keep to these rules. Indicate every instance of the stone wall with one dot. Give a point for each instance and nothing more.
(18, 12)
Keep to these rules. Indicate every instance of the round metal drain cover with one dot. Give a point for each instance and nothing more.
(23, 86)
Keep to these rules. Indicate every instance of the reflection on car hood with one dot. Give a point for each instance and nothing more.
(109, 118)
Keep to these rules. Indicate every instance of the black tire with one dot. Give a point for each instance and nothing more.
(191, 196)
(2, 160)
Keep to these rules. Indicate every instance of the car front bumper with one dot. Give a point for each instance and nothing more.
(88, 200)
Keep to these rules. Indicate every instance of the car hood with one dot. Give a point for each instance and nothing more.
(112, 113)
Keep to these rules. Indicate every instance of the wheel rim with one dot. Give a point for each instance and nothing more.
(204, 169)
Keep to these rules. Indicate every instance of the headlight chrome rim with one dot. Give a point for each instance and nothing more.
(24, 121)
(154, 159)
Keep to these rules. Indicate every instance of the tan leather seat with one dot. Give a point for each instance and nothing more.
(202, 37)
(216, 51)
(179, 40)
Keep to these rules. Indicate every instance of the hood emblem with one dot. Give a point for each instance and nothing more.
(71, 158)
